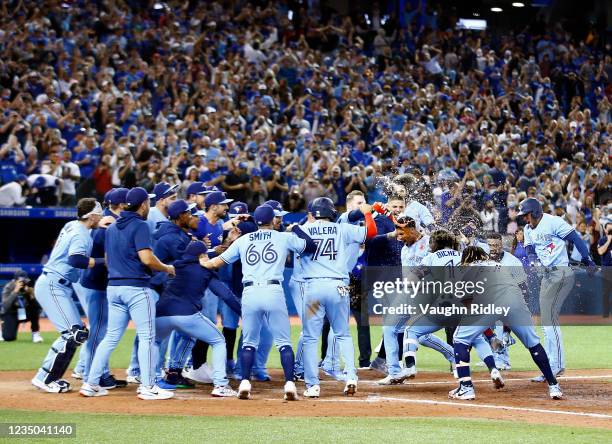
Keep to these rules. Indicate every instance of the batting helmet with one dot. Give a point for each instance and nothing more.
(531, 206)
(323, 208)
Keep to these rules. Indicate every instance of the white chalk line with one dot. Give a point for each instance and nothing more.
(468, 404)
(412, 382)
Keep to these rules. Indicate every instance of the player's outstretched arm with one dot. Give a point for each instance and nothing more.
(147, 257)
(311, 247)
(224, 292)
(213, 264)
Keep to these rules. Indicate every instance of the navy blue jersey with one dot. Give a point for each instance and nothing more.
(183, 294)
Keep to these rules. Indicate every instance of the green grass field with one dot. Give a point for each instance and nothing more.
(586, 347)
(97, 428)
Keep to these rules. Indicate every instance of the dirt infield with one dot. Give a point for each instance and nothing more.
(588, 400)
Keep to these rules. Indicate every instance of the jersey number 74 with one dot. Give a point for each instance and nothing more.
(326, 248)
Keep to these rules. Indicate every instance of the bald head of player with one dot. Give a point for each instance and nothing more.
(89, 212)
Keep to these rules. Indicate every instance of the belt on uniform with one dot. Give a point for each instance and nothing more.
(326, 278)
(60, 281)
(270, 282)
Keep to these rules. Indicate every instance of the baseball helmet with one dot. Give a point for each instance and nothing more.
(323, 208)
(531, 206)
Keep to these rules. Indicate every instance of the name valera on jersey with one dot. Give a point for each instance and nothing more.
(260, 235)
(322, 230)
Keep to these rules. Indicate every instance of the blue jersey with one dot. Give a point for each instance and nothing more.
(263, 254)
(73, 239)
(548, 240)
(334, 242)
(124, 239)
(214, 232)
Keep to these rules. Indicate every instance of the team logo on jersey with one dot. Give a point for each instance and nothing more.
(550, 247)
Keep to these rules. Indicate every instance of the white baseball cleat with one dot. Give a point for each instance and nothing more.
(223, 391)
(202, 374)
(244, 390)
(350, 388)
(404, 374)
(388, 380)
(37, 338)
(554, 391)
(153, 393)
(290, 391)
(59, 386)
(497, 379)
(463, 393)
(77, 374)
(92, 391)
(314, 391)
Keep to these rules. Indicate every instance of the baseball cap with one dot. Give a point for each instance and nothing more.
(107, 196)
(277, 207)
(118, 196)
(39, 182)
(178, 207)
(21, 178)
(247, 226)
(137, 195)
(264, 214)
(238, 208)
(243, 165)
(195, 249)
(210, 189)
(164, 189)
(195, 188)
(216, 198)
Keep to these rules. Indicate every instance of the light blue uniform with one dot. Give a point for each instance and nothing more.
(155, 216)
(263, 255)
(411, 257)
(557, 283)
(503, 291)
(420, 213)
(326, 273)
(296, 288)
(53, 289)
(502, 358)
(81, 295)
(413, 332)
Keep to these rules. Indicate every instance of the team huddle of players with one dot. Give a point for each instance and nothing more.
(158, 267)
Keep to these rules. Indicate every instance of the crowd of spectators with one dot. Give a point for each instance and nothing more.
(269, 102)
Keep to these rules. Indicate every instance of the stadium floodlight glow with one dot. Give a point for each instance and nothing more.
(496, 9)
(518, 4)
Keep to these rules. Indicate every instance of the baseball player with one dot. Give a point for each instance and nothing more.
(53, 291)
(80, 293)
(325, 292)
(545, 238)
(406, 185)
(444, 256)
(263, 254)
(211, 227)
(129, 260)
(172, 237)
(179, 308)
(93, 285)
(416, 247)
(164, 195)
(506, 259)
(501, 289)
